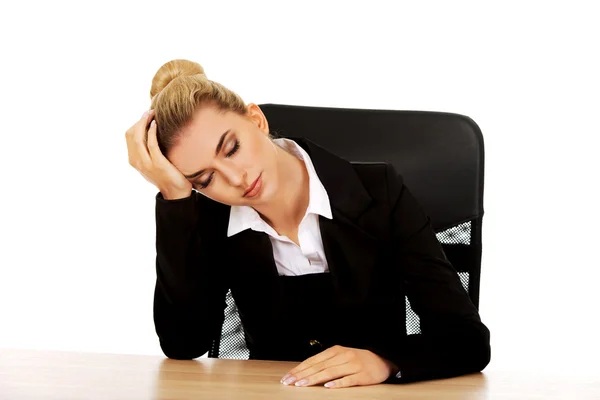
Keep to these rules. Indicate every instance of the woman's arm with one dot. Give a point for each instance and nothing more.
(453, 341)
(189, 296)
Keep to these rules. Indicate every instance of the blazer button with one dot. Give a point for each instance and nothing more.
(315, 343)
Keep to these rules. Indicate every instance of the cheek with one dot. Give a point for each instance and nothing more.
(255, 155)
(267, 152)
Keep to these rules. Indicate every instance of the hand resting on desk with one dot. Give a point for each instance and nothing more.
(339, 367)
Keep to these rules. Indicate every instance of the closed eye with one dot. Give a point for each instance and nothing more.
(204, 184)
(234, 149)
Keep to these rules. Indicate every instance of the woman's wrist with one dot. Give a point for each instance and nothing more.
(175, 194)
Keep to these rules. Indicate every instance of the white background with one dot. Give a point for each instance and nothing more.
(77, 222)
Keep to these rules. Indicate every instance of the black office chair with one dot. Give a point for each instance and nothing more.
(440, 156)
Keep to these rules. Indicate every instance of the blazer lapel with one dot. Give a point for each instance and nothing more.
(254, 274)
(351, 256)
(351, 251)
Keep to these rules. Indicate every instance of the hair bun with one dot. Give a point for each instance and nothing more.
(171, 70)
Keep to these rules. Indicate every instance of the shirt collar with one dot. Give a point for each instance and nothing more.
(246, 217)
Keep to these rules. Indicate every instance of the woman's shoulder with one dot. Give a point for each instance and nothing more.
(380, 179)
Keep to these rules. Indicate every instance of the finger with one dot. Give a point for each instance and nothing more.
(320, 357)
(136, 143)
(339, 359)
(138, 154)
(328, 374)
(141, 128)
(141, 124)
(154, 150)
(346, 381)
(138, 131)
(147, 116)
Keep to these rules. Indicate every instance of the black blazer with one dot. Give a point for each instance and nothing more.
(380, 247)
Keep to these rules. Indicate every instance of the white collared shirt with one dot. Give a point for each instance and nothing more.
(291, 259)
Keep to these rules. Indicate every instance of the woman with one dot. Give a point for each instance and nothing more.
(318, 253)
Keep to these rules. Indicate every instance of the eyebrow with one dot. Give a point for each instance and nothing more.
(217, 151)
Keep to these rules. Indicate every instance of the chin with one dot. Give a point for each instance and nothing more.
(267, 194)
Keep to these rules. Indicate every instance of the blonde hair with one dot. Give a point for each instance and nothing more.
(179, 87)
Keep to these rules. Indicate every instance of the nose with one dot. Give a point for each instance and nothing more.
(235, 175)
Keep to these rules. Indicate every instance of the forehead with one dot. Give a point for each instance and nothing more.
(198, 141)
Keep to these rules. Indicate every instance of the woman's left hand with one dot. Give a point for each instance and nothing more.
(339, 367)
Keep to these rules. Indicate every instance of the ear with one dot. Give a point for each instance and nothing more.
(256, 115)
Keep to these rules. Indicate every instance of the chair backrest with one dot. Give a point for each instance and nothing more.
(440, 156)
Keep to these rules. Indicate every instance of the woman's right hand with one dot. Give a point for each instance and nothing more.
(146, 157)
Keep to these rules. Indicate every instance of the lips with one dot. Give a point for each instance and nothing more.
(254, 188)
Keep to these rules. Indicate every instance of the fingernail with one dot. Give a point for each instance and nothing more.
(153, 123)
(145, 114)
(289, 380)
(329, 384)
(285, 377)
(302, 382)
(150, 111)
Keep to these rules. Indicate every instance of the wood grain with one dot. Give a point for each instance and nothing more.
(30, 374)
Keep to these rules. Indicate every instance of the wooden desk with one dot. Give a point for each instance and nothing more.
(27, 374)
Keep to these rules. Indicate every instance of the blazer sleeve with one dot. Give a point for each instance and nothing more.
(453, 340)
(189, 296)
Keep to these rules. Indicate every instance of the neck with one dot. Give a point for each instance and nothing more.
(287, 208)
